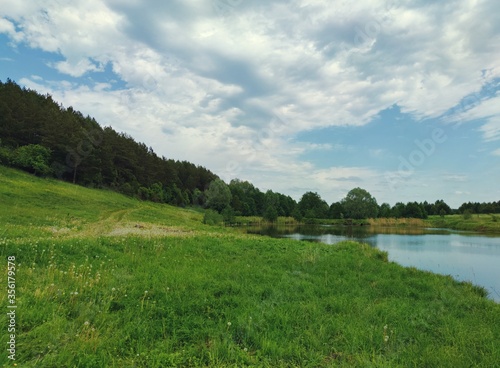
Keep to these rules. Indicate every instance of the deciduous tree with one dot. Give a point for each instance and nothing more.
(359, 204)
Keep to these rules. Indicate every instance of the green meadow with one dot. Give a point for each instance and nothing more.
(103, 280)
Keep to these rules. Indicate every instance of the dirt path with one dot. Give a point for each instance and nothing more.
(117, 223)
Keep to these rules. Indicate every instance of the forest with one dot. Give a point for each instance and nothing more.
(41, 136)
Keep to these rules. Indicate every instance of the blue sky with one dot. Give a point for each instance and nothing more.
(399, 98)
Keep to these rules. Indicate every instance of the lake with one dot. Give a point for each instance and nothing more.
(465, 256)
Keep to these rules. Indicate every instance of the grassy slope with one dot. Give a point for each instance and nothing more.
(174, 292)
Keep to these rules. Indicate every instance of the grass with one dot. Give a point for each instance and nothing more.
(135, 284)
(481, 223)
(398, 222)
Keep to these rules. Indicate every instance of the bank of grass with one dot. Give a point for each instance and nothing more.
(260, 221)
(191, 295)
(479, 223)
(398, 222)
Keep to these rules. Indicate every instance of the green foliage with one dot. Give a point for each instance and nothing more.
(297, 215)
(228, 215)
(441, 208)
(484, 208)
(5, 155)
(247, 200)
(34, 158)
(467, 222)
(467, 215)
(385, 210)
(336, 211)
(212, 217)
(198, 198)
(311, 205)
(218, 195)
(414, 210)
(409, 210)
(271, 214)
(359, 204)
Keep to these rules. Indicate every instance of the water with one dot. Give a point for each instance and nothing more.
(465, 256)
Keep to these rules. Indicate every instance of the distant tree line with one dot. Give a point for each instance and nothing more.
(42, 137)
(476, 207)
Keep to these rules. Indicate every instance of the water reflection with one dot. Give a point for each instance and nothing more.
(354, 232)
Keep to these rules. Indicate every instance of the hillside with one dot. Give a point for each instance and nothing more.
(49, 208)
(39, 135)
(103, 280)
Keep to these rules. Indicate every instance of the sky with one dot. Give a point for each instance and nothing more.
(401, 98)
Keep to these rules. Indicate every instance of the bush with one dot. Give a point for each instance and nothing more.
(33, 158)
(5, 156)
(467, 215)
(228, 215)
(271, 214)
(212, 217)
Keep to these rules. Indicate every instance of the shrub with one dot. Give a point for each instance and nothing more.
(33, 158)
(5, 156)
(467, 215)
(212, 217)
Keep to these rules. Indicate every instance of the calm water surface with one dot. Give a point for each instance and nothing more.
(465, 256)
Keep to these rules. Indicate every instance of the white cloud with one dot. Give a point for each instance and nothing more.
(208, 85)
(455, 177)
(483, 109)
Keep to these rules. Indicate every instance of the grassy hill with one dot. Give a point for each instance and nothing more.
(102, 280)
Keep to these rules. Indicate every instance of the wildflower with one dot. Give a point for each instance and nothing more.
(113, 289)
(87, 323)
(229, 324)
(386, 336)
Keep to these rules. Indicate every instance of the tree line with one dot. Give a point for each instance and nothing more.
(44, 138)
(242, 198)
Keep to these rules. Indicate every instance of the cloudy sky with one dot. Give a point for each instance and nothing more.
(401, 98)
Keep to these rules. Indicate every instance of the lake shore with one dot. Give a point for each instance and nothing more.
(478, 223)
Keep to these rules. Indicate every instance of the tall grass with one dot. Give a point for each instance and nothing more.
(398, 222)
